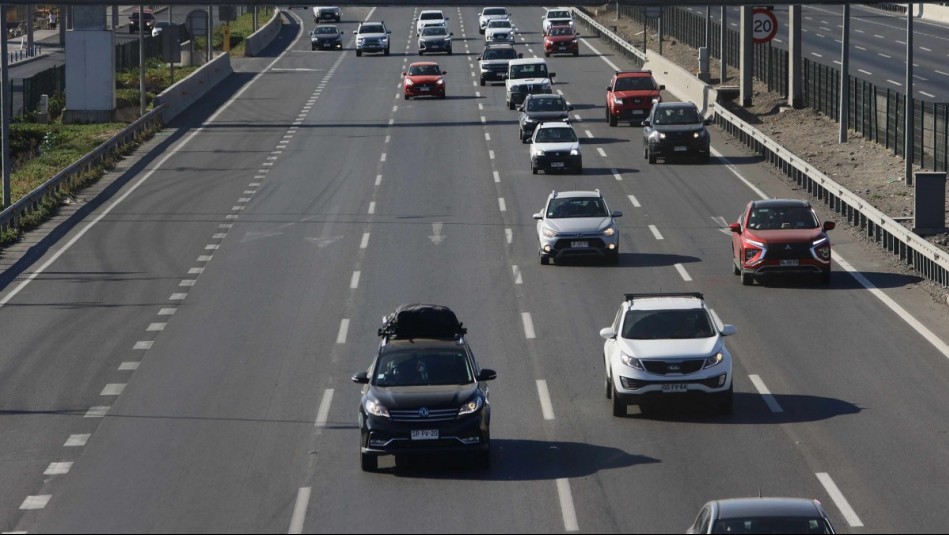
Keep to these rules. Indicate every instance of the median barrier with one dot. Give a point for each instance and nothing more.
(264, 35)
(189, 90)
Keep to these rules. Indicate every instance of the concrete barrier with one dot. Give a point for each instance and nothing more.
(681, 83)
(186, 92)
(264, 35)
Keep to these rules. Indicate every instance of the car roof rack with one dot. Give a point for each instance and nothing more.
(633, 297)
(640, 71)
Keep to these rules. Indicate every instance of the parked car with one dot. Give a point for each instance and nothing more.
(762, 515)
(494, 60)
(577, 224)
(665, 346)
(326, 36)
(423, 79)
(434, 39)
(424, 391)
(630, 95)
(555, 147)
(676, 129)
(780, 236)
(539, 108)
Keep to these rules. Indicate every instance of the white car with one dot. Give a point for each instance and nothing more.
(491, 13)
(321, 13)
(499, 31)
(555, 147)
(430, 17)
(560, 15)
(577, 224)
(526, 76)
(664, 346)
(160, 26)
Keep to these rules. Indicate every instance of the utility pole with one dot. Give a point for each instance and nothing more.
(141, 59)
(845, 76)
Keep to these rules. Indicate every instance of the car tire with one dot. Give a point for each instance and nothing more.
(482, 81)
(387, 51)
(546, 54)
(421, 53)
(608, 384)
(613, 258)
(747, 279)
(449, 51)
(610, 118)
(510, 105)
(544, 259)
(312, 47)
(735, 269)
(576, 53)
(650, 156)
(726, 403)
(533, 170)
(406, 96)
(358, 53)
(370, 463)
(619, 407)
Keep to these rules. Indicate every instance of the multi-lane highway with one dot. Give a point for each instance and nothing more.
(178, 358)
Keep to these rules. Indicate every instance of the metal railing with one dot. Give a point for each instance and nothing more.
(927, 259)
(68, 178)
(24, 53)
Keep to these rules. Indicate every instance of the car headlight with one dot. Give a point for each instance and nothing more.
(375, 408)
(631, 361)
(360, 41)
(618, 101)
(474, 405)
(546, 86)
(822, 249)
(657, 135)
(538, 152)
(440, 82)
(408, 81)
(610, 230)
(574, 152)
(528, 120)
(700, 134)
(548, 232)
(714, 360)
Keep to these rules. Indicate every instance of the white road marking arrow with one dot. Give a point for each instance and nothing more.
(436, 236)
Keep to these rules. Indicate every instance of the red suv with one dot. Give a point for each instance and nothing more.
(561, 39)
(630, 95)
(780, 236)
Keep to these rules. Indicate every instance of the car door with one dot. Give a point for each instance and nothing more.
(609, 346)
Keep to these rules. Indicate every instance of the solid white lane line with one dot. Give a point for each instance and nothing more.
(501, 204)
(528, 325)
(57, 469)
(601, 151)
(365, 241)
(497, 177)
(683, 273)
(128, 366)
(635, 202)
(738, 174)
(616, 174)
(655, 232)
(112, 389)
(77, 441)
(35, 502)
(343, 330)
(566, 505)
(354, 282)
(509, 235)
(322, 415)
(839, 500)
(517, 275)
(545, 404)
(156, 327)
(766, 394)
(96, 412)
(299, 509)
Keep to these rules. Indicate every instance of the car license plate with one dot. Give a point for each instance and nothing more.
(425, 434)
(789, 262)
(579, 244)
(556, 164)
(638, 112)
(425, 89)
(675, 387)
(681, 148)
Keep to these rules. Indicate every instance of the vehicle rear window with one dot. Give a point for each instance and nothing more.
(576, 207)
(771, 525)
(663, 324)
(422, 368)
(424, 70)
(782, 217)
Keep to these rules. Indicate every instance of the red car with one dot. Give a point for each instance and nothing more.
(777, 236)
(423, 79)
(561, 39)
(630, 95)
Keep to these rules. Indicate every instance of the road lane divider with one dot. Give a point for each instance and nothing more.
(322, 414)
(567, 509)
(655, 232)
(838, 497)
(546, 406)
(528, 325)
(766, 394)
(299, 510)
(343, 331)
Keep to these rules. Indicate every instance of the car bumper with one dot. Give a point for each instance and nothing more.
(548, 162)
(569, 48)
(433, 47)
(634, 387)
(637, 114)
(774, 268)
(372, 48)
(327, 44)
(382, 436)
(419, 91)
(494, 76)
(562, 247)
(666, 149)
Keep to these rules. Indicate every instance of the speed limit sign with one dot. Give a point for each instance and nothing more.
(764, 25)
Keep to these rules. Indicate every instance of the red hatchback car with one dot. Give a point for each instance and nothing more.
(780, 236)
(630, 95)
(561, 39)
(423, 79)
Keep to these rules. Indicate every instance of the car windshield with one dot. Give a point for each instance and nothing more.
(787, 217)
(424, 70)
(324, 30)
(577, 207)
(555, 135)
(560, 30)
(558, 14)
(634, 84)
(421, 368)
(374, 28)
(499, 24)
(677, 115)
(431, 16)
(500, 53)
(771, 525)
(435, 30)
(664, 324)
(495, 11)
(531, 70)
(544, 104)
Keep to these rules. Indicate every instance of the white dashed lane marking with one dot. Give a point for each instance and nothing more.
(683, 273)
(655, 232)
(517, 275)
(76, 441)
(545, 404)
(566, 505)
(601, 151)
(322, 415)
(766, 394)
(128, 366)
(839, 500)
(354, 281)
(35, 502)
(528, 325)
(635, 202)
(343, 331)
(96, 412)
(501, 204)
(365, 241)
(112, 389)
(299, 510)
(57, 469)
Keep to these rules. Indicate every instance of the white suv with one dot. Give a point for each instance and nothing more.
(667, 345)
(491, 13)
(560, 15)
(430, 17)
(526, 76)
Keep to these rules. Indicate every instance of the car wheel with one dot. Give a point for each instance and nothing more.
(825, 277)
(650, 156)
(406, 96)
(747, 279)
(613, 258)
(510, 105)
(533, 170)
(482, 80)
(544, 260)
(546, 54)
(358, 53)
(735, 269)
(370, 463)
(576, 53)
(449, 51)
(619, 407)
(727, 402)
(313, 48)
(482, 459)
(420, 53)
(387, 51)
(610, 118)
(609, 384)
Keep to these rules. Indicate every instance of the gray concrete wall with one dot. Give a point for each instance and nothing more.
(186, 92)
(264, 35)
(683, 84)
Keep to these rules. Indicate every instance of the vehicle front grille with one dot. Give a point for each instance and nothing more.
(435, 415)
(788, 251)
(662, 367)
(635, 384)
(564, 242)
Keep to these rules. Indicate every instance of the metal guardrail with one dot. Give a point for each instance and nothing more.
(926, 258)
(618, 42)
(11, 216)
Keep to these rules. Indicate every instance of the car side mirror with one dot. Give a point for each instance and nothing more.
(403, 74)
(735, 227)
(390, 31)
(520, 54)
(450, 34)
(361, 378)
(444, 72)
(551, 75)
(708, 121)
(355, 32)
(487, 375)
(646, 122)
(728, 330)
(569, 107)
(662, 88)
(539, 216)
(607, 333)
(829, 225)
(617, 213)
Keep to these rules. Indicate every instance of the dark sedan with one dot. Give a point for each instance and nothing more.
(326, 36)
(675, 129)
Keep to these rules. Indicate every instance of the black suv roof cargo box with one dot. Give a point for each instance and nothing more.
(422, 321)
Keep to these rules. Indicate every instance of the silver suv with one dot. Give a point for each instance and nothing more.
(372, 37)
(577, 223)
(666, 346)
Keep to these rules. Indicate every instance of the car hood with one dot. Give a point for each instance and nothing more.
(545, 115)
(578, 225)
(433, 38)
(424, 79)
(787, 235)
(637, 93)
(558, 38)
(672, 128)
(527, 81)
(492, 31)
(555, 147)
(414, 397)
(371, 35)
(668, 349)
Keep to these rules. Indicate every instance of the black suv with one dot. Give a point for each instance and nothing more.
(675, 129)
(541, 107)
(148, 18)
(424, 391)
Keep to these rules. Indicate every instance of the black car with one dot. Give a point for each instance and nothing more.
(424, 391)
(434, 39)
(539, 108)
(326, 36)
(675, 129)
(148, 18)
